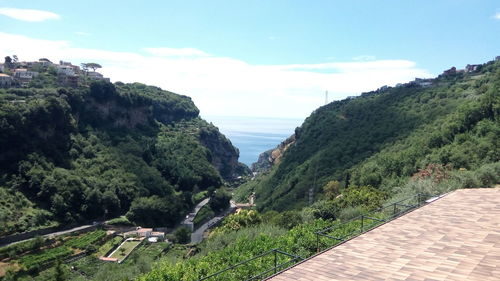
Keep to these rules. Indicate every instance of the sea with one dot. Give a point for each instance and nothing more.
(254, 135)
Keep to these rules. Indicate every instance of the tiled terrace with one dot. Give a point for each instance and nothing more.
(454, 238)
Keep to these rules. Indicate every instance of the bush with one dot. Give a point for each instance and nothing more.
(122, 220)
(182, 235)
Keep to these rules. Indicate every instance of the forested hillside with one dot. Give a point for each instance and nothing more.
(69, 155)
(382, 138)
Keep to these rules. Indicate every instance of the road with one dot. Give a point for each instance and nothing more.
(53, 234)
(197, 235)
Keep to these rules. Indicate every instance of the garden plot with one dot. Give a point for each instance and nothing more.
(122, 252)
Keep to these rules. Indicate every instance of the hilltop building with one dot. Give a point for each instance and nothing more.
(45, 62)
(24, 76)
(450, 71)
(472, 67)
(5, 80)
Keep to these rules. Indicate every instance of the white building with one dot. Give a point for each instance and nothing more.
(2, 67)
(24, 74)
(67, 70)
(5, 80)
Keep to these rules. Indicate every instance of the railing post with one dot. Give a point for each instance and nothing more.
(394, 211)
(418, 199)
(317, 242)
(275, 261)
(362, 218)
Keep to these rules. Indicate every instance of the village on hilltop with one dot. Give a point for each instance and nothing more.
(16, 74)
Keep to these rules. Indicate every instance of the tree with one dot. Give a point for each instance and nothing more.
(85, 67)
(15, 59)
(93, 65)
(8, 61)
(59, 273)
(331, 189)
(182, 235)
(220, 200)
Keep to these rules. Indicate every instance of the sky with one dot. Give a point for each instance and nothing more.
(266, 58)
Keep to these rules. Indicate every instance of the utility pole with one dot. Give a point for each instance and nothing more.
(326, 97)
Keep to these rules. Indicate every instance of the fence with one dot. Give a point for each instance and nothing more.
(347, 229)
(366, 222)
(245, 270)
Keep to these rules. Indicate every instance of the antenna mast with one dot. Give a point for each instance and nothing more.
(326, 97)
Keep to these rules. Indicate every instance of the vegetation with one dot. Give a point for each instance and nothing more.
(84, 241)
(182, 235)
(358, 154)
(109, 245)
(15, 250)
(85, 154)
(382, 138)
(125, 249)
(203, 215)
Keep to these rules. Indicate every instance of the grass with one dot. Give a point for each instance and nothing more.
(111, 244)
(125, 249)
(150, 251)
(119, 221)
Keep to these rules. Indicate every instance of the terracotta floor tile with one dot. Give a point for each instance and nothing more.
(454, 238)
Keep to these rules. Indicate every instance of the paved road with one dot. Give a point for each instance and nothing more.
(197, 235)
(190, 217)
(53, 234)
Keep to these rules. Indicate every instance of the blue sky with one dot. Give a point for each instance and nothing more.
(257, 58)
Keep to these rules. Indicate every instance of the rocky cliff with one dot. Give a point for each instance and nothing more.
(273, 156)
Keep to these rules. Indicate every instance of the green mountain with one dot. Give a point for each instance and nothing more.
(69, 155)
(384, 137)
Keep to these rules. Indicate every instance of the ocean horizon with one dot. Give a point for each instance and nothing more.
(254, 135)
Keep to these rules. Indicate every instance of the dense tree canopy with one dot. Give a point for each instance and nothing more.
(79, 154)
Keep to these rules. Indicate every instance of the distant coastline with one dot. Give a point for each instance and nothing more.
(254, 135)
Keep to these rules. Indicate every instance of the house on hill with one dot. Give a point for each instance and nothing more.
(24, 76)
(5, 80)
(45, 62)
(472, 67)
(450, 71)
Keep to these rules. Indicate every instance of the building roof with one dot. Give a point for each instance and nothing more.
(4, 75)
(144, 230)
(454, 238)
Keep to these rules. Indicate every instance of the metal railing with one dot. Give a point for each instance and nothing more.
(385, 213)
(277, 261)
(358, 225)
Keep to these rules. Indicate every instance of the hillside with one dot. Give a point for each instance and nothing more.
(71, 155)
(382, 138)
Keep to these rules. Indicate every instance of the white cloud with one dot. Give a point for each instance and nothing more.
(497, 16)
(28, 14)
(227, 86)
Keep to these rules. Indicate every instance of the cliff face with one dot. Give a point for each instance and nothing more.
(224, 154)
(273, 156)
